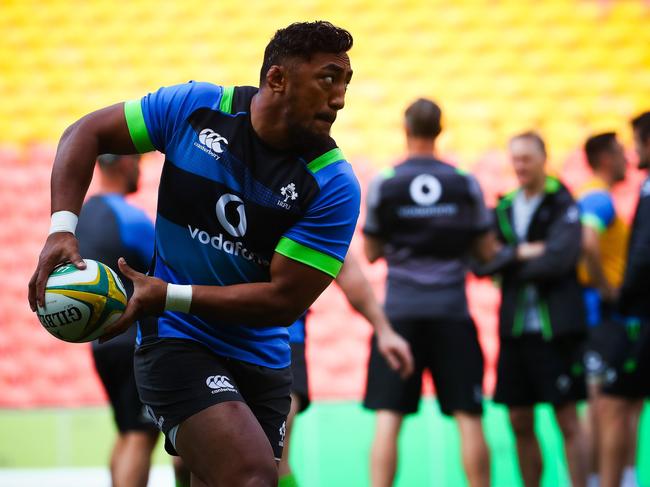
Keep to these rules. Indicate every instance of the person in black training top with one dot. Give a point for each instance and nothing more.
(629, 379)
(425, 216)
(542, 319)
(108, 228)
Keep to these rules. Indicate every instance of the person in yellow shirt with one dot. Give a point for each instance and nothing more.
(604, 247)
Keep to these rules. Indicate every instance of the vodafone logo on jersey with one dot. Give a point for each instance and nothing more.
(240, 229)
(425, 190)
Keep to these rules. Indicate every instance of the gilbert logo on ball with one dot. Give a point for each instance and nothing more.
(81, 303)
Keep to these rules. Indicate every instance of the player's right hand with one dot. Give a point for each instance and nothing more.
(59, 248)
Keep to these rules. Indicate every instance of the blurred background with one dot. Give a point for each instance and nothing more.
(568, 68)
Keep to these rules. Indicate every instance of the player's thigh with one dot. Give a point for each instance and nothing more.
(456, 363)
(385, 389)
(225, 445)
(267, 393)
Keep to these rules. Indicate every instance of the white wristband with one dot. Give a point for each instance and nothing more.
(63, 221)
(179, 298)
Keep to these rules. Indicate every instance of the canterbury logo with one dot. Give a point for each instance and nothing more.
(212, 140)
(218, 382)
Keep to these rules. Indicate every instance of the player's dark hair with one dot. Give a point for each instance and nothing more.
(641, 125)
(535, 137)
(596, 145)
(302, 40)
(422, 119)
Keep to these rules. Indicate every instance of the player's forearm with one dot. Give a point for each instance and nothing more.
(595, 270)
(255, 304)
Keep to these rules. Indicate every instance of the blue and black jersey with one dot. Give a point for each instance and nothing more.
(227, 202)
(109, 228)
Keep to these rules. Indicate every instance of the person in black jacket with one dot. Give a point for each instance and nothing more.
(629, 378)
(542, 319)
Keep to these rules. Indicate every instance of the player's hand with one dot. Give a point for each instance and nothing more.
(148, 299)
(397, 352)
(530, 250)
(59, 248)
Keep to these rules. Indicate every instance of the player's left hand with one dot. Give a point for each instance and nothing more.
(397, 352)
(148, 299)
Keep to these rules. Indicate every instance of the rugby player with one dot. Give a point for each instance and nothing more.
(628, 385)
(395, 350)
(604, 248)
(426, 218)
(256, 209)
(108, 228)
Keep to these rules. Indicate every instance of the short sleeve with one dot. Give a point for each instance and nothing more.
(372, 225)
(322, 237)
(597, 210)
(153, 119)
(482, 216)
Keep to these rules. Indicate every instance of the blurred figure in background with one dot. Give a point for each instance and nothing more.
(424, 216)
(110, 227)
(542, 322)
(604, 248)
(392, 346)
(627, 380)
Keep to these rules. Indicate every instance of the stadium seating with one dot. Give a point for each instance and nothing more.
(495, 67)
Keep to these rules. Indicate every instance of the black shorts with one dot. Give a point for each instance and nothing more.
(532, 370)
(606, 343)
(449, 349)
(300, 385)
(114, 365)
(629, 373)
(178, 378)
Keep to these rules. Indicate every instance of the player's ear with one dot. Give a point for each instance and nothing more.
(276, 78)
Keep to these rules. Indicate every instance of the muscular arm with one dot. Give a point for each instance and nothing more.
(100, 132)
(359, 294)
(292, 289)
(373, 247)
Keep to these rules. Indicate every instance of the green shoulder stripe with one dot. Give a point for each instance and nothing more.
(137, 127)
(387, 172)
(325, 160)
(226, 99)
(313, 258)
(552, 185)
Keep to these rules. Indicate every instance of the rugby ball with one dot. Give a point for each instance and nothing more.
(81, 303)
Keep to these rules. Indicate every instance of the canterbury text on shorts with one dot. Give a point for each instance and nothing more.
(178, 378)
(449, 349)
(533, 370)
(114, 365)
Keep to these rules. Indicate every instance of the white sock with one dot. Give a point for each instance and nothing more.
(629, 477)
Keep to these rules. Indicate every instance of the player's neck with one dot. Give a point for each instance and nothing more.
(606, 178)
(535, 188)
(268, 122)
(420, 147)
